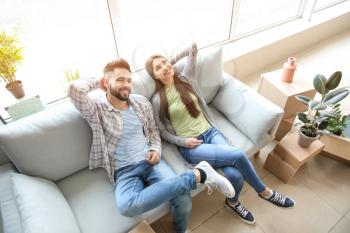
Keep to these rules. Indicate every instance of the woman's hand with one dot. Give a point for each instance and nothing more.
(193, 142)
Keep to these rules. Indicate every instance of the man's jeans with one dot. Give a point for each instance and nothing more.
(216, 150)
(143, 187)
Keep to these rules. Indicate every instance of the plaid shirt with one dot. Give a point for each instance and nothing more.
(106, 123)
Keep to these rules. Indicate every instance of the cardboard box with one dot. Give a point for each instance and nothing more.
(142, 227)
(337, 147)
(278, 167)
(287, 157)
(295, 155)
(283, 94)
(284, 127)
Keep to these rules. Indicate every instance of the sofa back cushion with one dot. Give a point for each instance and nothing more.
(143, 84)
(250, 112)
(209, 71)
(51, 144)
(42, 206)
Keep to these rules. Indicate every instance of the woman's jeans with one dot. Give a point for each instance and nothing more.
(142, 187)
(216, 150)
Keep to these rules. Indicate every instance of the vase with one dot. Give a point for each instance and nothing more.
(16, 89)
(289, 68)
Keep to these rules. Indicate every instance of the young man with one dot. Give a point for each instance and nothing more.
(126, 143)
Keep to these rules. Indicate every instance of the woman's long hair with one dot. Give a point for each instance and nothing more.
(181, 86)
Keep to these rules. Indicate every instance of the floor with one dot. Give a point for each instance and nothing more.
(321, 188)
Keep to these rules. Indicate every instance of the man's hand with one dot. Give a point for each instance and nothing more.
(102, 85)
(193, 142)
(153, 157)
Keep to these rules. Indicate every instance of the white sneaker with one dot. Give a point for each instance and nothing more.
(216, 181)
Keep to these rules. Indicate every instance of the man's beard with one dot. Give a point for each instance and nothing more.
(117, 95)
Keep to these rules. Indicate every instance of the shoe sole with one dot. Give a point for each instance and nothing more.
(228, 184)
(242, 219)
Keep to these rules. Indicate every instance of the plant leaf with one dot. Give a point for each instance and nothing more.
(303, 117)
(323, 125)
(313, 104)
(303, 99)
(323, 118)
(321, 106)
(334, 93)
(334, 80)
(329, 114)
(320, 83)
(335, 99)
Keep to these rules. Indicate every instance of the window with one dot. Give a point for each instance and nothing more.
(144, 27)
(253, 15)
(57, 36)
(86, 34)
(322, 4)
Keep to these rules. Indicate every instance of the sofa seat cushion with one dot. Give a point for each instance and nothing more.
(3, 157)
(91, 197)
(174, 159)
(237, 137)
(42, 206)
(172, 156)
(9, 212)
(51, 144)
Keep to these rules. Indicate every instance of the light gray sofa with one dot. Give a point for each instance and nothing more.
(45, 183)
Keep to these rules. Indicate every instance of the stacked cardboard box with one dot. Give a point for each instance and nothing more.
(142, 227)
(337, 147)
(283, 94)
(287, 157)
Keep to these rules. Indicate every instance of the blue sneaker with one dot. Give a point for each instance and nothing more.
(244, 214)
(280, 200)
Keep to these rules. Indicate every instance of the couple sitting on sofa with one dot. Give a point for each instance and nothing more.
(126, 141)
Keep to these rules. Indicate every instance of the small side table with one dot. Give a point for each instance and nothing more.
(287, 157)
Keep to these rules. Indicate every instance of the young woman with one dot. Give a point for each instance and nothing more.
(185, 120)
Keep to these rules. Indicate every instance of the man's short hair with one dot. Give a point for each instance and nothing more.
(119, 63)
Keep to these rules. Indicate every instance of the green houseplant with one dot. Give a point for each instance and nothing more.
(10, 58)
(337, 124)
(321, 113)
(71, 75)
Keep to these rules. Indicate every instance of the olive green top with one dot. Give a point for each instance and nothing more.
(183, 123)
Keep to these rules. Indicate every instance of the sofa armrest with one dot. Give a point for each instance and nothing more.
(249, 111)
(42, 206)
(11, 221)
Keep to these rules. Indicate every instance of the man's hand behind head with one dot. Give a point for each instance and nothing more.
(102, 84)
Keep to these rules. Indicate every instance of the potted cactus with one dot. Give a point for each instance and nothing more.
(320, 112)
(10, 58)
